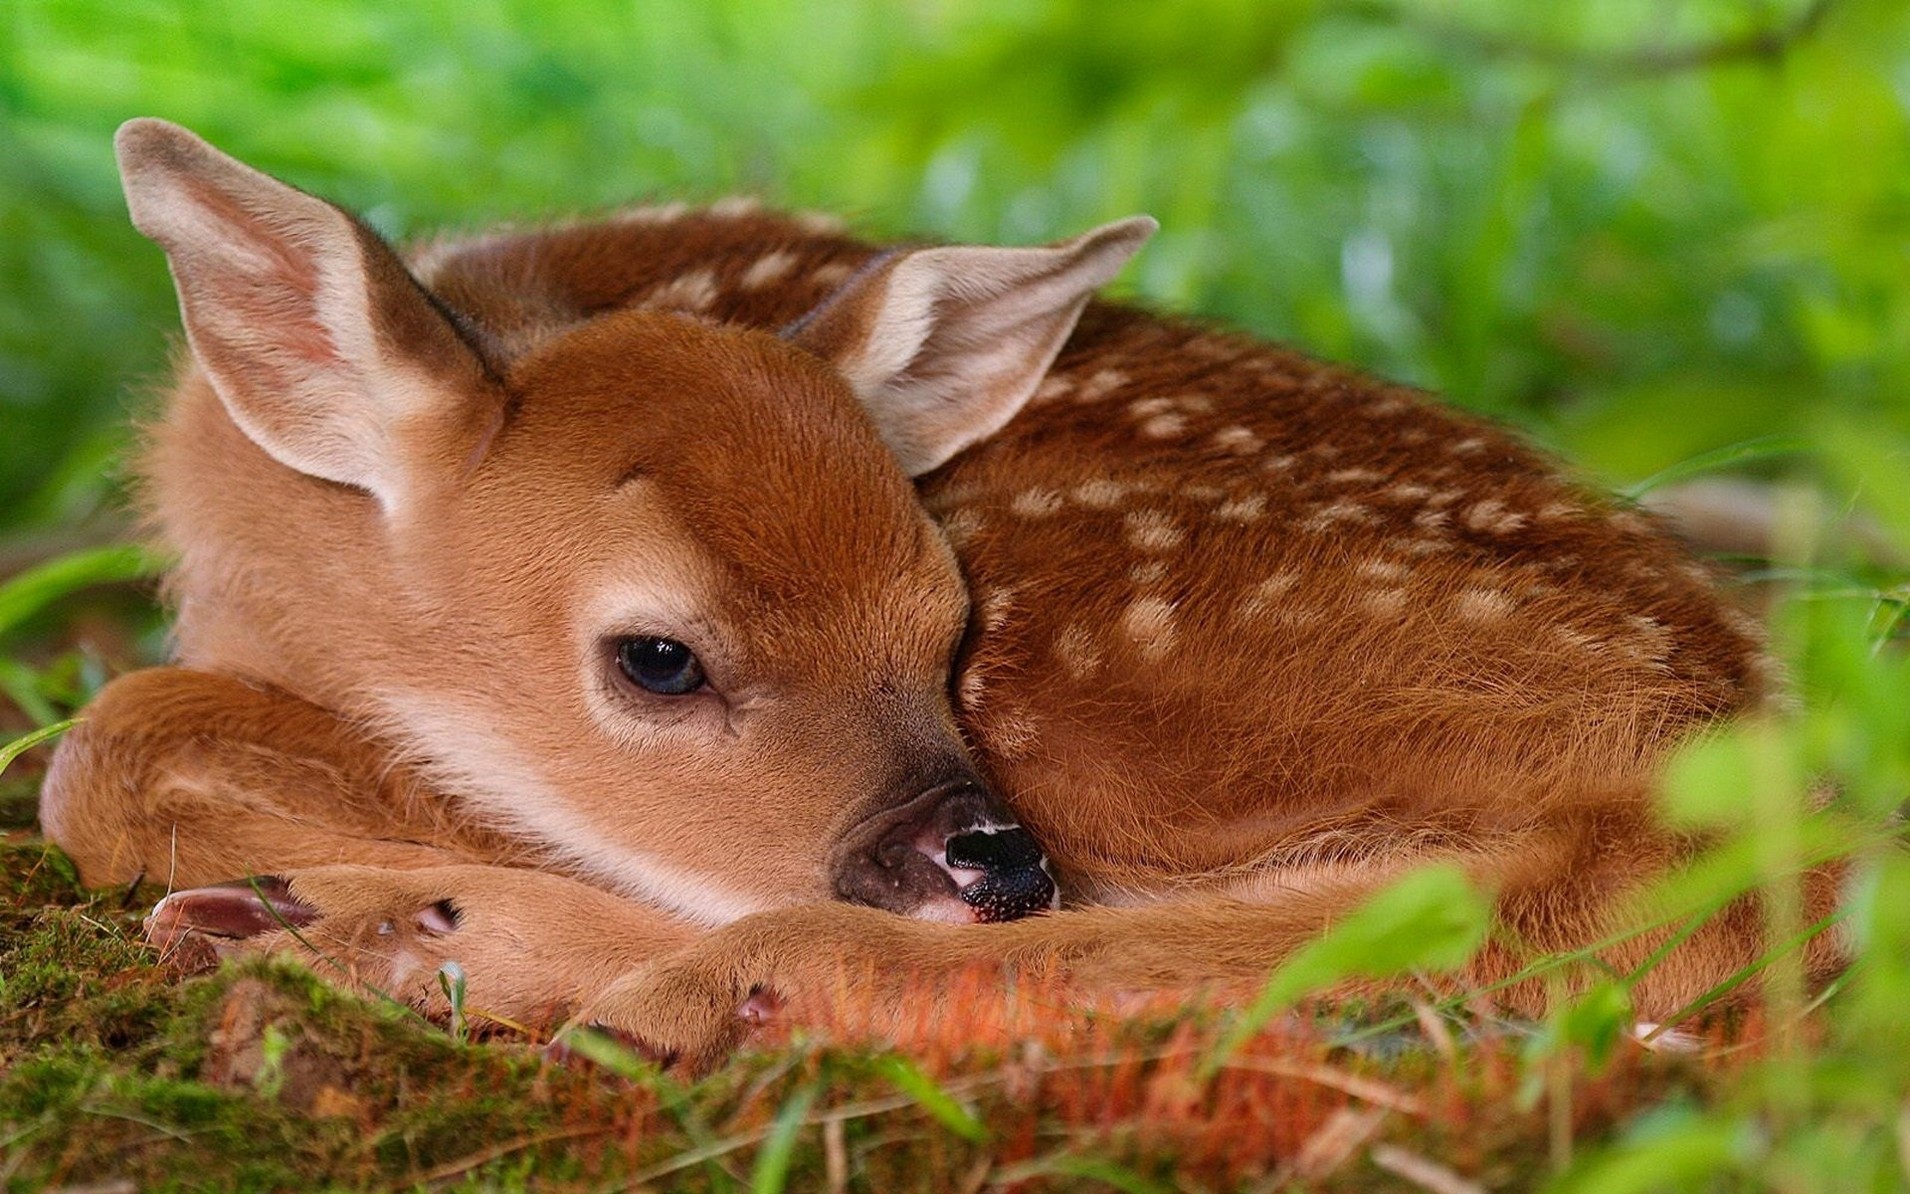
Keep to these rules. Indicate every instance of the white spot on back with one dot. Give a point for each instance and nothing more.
(1385, 603)
(994, 606)
(1035, 503)
(1148, 572)
(1741, 621)
(1076, 649)
(972, 690)
(962, 525)
(1652, 640)
(1100, 385)
(1164, 426)
(1482, 605)
(818, 221)
(1492, 518)
(1576, 639)
(693, 291)
(1052, 387)
(833, 274)
(1351, 476)
(1153, 530)
(1246, 508)
(1328, 516)
(1149, 621)
(1008, 729)
(1267, 595)
(1629, 522)
(1294, 614)
(1100, 494)
(651, 213)
(768, 269)
(1237, 439)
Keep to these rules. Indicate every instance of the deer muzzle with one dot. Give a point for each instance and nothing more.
(950, 853)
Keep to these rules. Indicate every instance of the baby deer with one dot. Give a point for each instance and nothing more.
(547, 599)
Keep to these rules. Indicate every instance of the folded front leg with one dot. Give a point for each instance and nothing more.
(695, 1004)
(284, 828)
(530, 946)
(1556, 890)
(188, 778)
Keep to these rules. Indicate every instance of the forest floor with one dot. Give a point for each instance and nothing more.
(120, 1072)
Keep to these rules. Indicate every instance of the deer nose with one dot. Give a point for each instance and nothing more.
(950, 853)
(1000, 872)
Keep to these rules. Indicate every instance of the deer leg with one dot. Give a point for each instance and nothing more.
(1555, 890)
(188, 778)
(529, 945)
(282, 828)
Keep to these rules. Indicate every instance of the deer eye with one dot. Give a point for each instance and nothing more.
(660, 665)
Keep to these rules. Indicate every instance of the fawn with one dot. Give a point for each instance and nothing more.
(650, 611)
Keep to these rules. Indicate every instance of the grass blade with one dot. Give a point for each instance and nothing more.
(929, 1095)
(1105, 1172)
(27, 742)
(1718, 459)
(20, 684)
(1431, 919)
(36, 588)
(771, 1173)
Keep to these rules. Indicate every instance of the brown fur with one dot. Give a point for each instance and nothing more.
(1250, 636)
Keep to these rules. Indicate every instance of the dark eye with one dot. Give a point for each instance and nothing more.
(660, 665)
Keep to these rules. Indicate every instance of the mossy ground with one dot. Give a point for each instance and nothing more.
(118, 1072)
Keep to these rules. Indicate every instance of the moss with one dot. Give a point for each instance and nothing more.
(35, 874)
(19, 802)
(260, 1076)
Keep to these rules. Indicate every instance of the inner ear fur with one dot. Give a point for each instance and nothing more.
(324, 350)
(943, 345)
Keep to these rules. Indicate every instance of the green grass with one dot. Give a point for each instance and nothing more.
(260, 1076)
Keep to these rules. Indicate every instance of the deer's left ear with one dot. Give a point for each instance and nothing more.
(944, 345)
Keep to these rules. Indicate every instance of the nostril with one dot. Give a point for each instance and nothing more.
(1014, 881)
(993, 849)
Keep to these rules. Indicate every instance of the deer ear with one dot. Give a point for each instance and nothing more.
(944, 345)
(325, 352)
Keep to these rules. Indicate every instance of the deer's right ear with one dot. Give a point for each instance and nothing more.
(324, 350)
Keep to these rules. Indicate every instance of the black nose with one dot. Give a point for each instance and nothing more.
(950, 853)
(1014, 873)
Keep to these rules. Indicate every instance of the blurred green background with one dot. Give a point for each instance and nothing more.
(1641, 228)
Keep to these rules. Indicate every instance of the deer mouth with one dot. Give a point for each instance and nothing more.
(947, 855)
